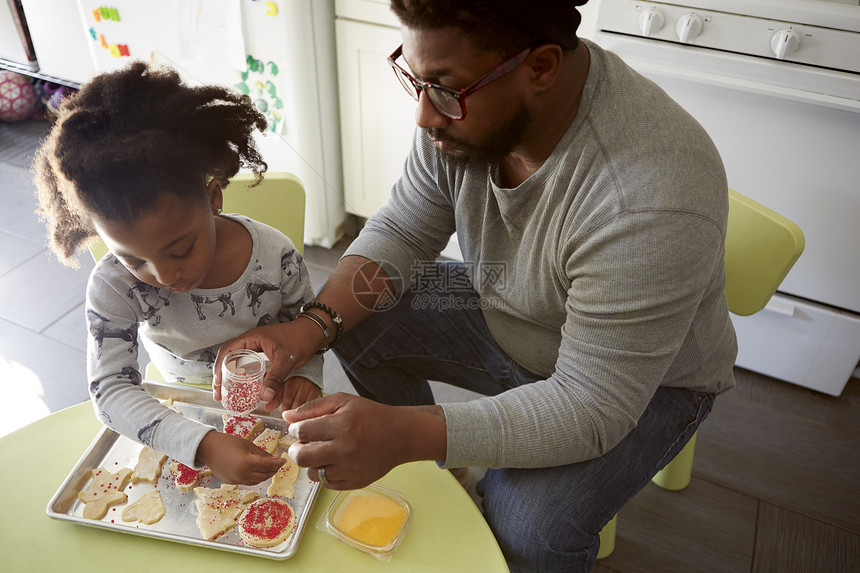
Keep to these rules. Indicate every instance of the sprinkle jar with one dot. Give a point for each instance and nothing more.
(241, 377)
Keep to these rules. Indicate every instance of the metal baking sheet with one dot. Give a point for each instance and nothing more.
(112, 452)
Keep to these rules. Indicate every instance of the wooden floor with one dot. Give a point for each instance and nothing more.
(776, 488)
(776, 478)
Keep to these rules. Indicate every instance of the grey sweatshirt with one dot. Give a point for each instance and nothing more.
(182, 333)
(613, 254)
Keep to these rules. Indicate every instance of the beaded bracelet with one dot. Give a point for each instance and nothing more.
(335, 318)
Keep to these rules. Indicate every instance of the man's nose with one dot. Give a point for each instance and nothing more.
(426, 114)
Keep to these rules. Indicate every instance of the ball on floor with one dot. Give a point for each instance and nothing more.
(18, 98)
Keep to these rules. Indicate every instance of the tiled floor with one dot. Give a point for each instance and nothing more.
(776, 481)
(42, 331)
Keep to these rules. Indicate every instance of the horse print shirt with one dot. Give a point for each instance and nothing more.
(182, 333)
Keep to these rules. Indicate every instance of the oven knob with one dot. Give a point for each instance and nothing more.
(688, 27)
(651, 21)
(784, 43)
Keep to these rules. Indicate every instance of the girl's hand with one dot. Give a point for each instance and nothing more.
(296, 391)
(235, 460)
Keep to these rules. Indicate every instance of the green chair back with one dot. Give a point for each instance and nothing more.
(761, 247)
(279, 201)
(98, 249)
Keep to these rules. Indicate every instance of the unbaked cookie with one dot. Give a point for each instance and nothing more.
(148, 466)
(268, 440)
(147, 509)
(186, 478)
(267, 522)
(104, 490)
(284, 481)
(243, 426)
(218, 509)
(287, 440)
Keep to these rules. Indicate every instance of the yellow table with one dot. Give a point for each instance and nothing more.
(447, 532)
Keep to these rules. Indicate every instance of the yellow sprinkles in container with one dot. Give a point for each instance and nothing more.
(373, 519)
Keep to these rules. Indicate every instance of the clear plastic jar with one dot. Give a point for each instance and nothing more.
(242, 375)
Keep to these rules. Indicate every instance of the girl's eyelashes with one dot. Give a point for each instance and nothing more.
(137, 266)
(186, 254)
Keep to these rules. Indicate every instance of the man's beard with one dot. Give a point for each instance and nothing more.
(499, 143)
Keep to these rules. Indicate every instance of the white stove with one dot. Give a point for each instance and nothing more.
(776, 83)
(807, 50)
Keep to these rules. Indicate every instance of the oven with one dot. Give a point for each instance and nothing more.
(776, 83)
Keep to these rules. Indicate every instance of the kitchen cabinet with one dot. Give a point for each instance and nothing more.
(377, 116)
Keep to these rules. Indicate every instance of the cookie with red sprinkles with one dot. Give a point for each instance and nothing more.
(218, 509)
(187, 478)
(268, 440)
(246, 427)
(267, 522)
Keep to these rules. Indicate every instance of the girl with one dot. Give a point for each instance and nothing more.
(140, 159)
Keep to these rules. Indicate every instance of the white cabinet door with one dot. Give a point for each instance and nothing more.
(377, 115)
(12, 51)
(60, 38)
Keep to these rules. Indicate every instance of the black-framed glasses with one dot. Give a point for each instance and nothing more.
(450, 102)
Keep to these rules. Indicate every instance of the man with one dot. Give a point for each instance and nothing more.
(591, 213)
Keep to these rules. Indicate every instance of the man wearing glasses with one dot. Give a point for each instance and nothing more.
(591, 213)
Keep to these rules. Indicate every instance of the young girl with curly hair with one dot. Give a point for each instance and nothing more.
(140, 159)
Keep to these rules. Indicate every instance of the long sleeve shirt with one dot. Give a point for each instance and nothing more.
(182, 333)
(603, 271)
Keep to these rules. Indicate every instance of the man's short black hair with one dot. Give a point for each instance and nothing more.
(504, 26)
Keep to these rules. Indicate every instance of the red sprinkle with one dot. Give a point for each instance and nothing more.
(240, 425)
(266, 520)
(241, 396)
(187, 475)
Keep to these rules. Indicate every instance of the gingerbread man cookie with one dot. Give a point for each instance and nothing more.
(104, 490)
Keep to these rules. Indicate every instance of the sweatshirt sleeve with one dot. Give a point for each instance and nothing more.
(115, 383)
(415, 224)
(626, 319)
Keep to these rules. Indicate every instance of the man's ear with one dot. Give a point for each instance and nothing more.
(216, 195)
(544, 64)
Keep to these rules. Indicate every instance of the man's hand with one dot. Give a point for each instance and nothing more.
(286, 345)
(292, 344)
(358, 440)
(235, 460)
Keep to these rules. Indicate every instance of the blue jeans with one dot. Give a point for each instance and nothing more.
(545, 519)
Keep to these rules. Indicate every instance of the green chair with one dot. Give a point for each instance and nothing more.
(761, 247)
(279, 201)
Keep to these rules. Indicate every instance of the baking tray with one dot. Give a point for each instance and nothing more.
(112, 451)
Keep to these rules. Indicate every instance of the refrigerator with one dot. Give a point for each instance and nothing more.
(16, 48)
(281, 53)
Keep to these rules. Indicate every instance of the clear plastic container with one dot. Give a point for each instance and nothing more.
(373, 519)
(242, 375)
